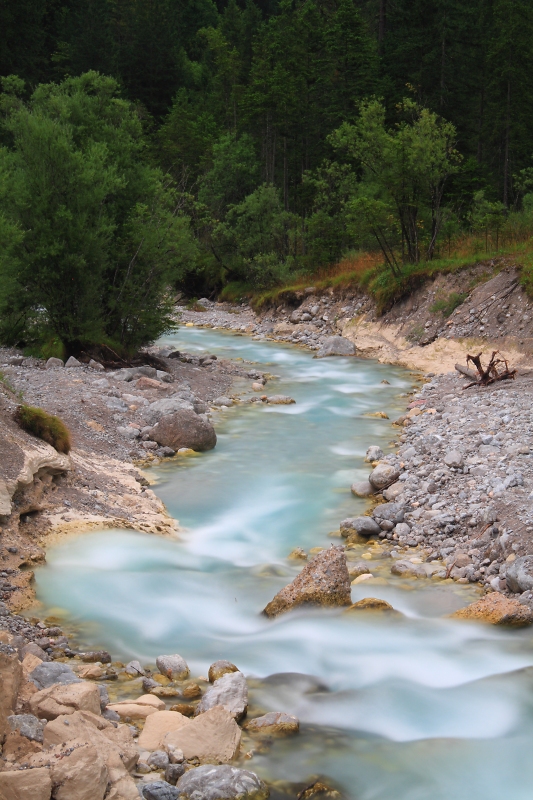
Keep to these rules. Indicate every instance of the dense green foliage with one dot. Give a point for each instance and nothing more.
(44, 426)
(91, 237)
(258, 138)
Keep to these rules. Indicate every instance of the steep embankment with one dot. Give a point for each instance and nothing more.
(479, 308)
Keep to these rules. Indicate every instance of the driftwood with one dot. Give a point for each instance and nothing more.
(468, 373)
(491, 373)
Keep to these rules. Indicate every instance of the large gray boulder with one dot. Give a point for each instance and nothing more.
(184, 428)
(383, 475)
(393, 512)
(336, 346)
(160, 790)
(520, 574)
(46, 675)
(229, 691)
(324, 581)
(362, 489)
(221, 783)
(364, 526)
(27, 725)
(155, 411)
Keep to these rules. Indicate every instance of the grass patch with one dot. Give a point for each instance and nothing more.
(6, 383)
(44, 426)
(447, 305)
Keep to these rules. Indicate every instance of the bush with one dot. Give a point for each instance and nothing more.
(44, 426)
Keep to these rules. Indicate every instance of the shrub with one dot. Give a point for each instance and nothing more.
(44, 426)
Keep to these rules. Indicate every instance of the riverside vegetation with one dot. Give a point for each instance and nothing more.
(262, 143)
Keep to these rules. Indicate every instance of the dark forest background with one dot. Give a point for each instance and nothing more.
(238, 102)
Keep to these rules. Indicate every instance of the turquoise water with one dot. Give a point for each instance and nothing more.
(416, 708)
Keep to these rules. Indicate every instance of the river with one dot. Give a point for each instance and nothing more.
(418, 707)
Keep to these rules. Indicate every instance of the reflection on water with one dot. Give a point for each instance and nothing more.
(412, 708)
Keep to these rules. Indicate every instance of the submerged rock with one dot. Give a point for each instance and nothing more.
(336, 346)
(280, 400)
(498, 610)
(184, 428)
(221, 783)
(371, 604)
(324, 581)
(275, 723)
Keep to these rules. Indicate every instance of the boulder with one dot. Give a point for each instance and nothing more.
(324, 581)
(115, 745)
(362, 489)
(336, 346)
(275, 723)
(222, 402)
(220, 668)
(54, 363)
(148, 383)
(96, 365)
(370, 604)
(141, 708)
(80, 773)
(10, 681)
(230, 691)
(56, 700)
(520, 574)
(498, 610)
(18, 748)
(160, 790)
(28, 726)
(383, 475)
(213, 737)
(73, 363)
(184, 428)
(157, 726)
(392, 512)
(29, 784)
(148, 372)
(221, 783)
(161, 408)
(394, 491)
(45, 675)
(173, 667)
(35, 650)
(374, 453)
(364, 526)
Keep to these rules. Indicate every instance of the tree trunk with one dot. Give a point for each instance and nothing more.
(506, 147)
(382, 23)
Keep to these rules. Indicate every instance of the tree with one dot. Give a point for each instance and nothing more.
(406, 167)
(94, 233)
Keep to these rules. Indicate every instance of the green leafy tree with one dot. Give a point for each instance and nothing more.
(406, 166)
(94, 232)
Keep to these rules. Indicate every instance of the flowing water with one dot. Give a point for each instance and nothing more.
(412, 708)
